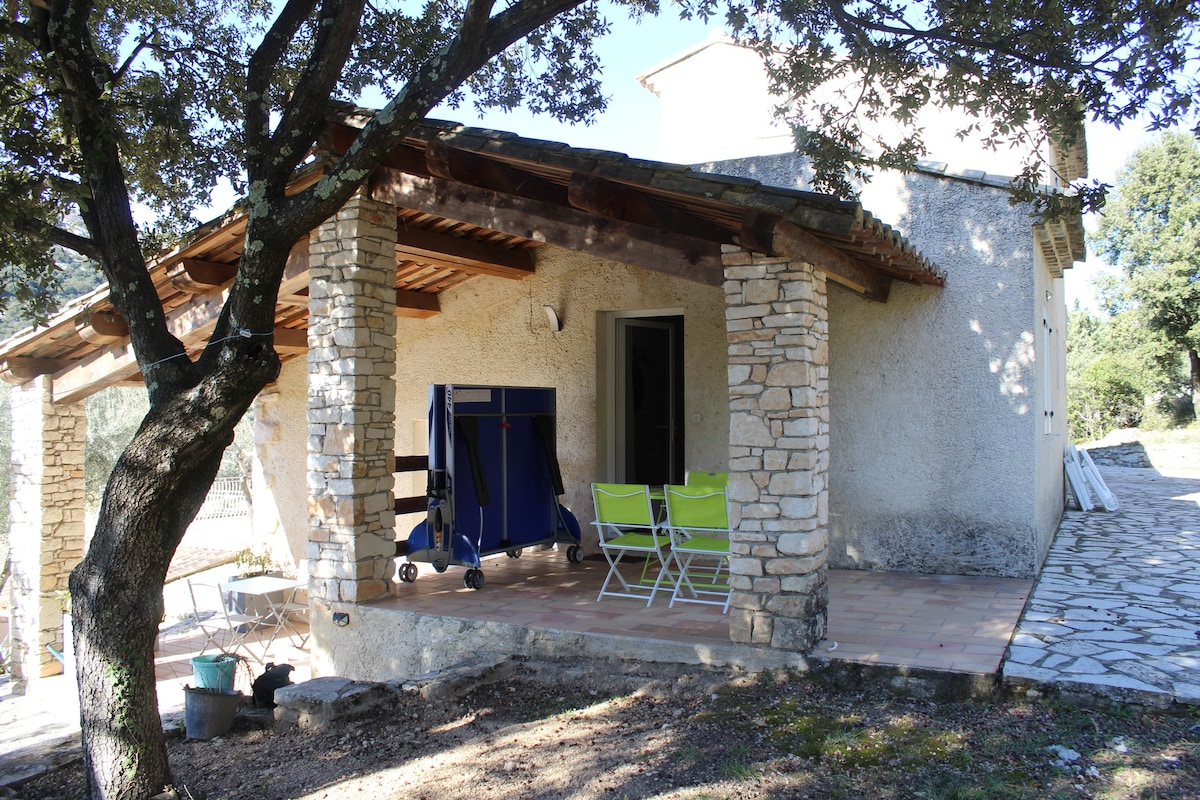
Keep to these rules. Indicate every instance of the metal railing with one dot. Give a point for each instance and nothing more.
(228, 497)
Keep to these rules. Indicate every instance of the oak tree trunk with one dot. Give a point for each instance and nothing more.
(154, 492)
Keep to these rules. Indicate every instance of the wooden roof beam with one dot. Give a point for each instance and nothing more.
(197, 276)
(417, 305)
(291, 341)
(20, 369)
(780, 237)
(637, 245)
(475, 257)
(461, 166)
(188, 323)
(623, 202)
(101, 327)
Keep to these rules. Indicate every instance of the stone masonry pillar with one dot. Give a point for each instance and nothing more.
(47, 522)
(777, 324)
(351, 403)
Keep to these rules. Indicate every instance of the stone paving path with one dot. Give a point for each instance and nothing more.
(1117, 606)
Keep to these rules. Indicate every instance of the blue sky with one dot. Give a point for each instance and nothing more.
(630, 123)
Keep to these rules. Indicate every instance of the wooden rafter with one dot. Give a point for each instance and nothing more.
(101, 327)
(20, 369)
(197, 276)
(637, 245)
(418, 305)
(478, 258)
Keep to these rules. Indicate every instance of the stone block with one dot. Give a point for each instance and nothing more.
(747, 311)
(749, 430)
(795, 566)
(798, 507)
(790, 375)
(803, 544)
(775, 399)
(791, 484)
(751, 567)
(761, 291)
(801, 635)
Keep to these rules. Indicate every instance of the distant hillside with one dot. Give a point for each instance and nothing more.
(76, 277)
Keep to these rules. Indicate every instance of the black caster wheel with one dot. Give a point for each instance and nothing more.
(473, 579)
(408, 572)
(575, 554)
(513, 553)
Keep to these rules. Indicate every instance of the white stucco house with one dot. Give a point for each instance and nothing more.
(885, 396)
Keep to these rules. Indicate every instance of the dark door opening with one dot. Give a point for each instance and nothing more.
(650, 402)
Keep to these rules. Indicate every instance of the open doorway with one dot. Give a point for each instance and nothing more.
(648, 404)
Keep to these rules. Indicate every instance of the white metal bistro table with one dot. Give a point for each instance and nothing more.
(273, 613)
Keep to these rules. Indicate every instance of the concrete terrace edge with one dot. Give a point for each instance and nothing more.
(406, 643)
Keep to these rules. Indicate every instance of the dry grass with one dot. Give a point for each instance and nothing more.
(560, 729)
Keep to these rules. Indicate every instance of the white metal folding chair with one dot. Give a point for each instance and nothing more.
(290, 607)
(625, 521)
(220, 622)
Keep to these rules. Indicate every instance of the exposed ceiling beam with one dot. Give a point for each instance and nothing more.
(621, 201)
(190, 323)
(637, 245)
(101, 327)
(769, 234)
(475, 257)
(461, 166)
(291, 341)
(20, 369)
(417, 305)
(196, 276)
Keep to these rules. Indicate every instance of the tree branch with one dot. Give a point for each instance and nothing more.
(106, 208)
(263, 64)
(848, 22)
(472, 47)
(73, 241)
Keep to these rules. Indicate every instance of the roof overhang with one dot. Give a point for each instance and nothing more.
(478, 202)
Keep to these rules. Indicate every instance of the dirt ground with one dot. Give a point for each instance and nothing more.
(569, 730)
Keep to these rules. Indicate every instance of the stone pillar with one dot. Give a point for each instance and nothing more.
(777, 324)
(47, 521)
(351, 403)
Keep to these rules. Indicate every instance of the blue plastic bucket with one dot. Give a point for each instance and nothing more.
(214, 672)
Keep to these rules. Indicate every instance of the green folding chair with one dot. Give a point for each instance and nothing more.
(625, 521)
(699, 478)
(698, 524)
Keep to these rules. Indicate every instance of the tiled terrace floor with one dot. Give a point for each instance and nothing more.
(952, 623)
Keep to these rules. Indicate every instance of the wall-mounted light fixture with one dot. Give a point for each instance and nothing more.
(341, 619)
(552, 318)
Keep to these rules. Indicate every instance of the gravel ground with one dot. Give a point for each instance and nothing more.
(572, 730)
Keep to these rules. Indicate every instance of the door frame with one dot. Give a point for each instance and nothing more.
(607, 383)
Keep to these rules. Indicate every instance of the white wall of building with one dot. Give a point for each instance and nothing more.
(939, 457)
(715, 104)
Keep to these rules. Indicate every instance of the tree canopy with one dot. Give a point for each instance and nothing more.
(1151, 229)
(110, 106)
(171, 77)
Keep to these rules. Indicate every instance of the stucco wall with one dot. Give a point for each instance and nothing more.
(938, 460)
(493, 331)
(281, 453)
